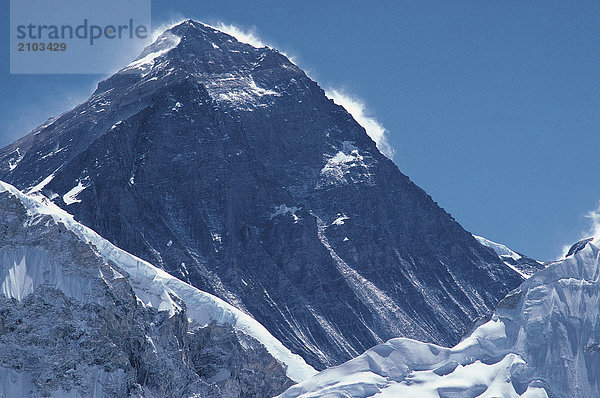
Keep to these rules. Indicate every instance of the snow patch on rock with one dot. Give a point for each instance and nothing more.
(345, 166)
(283, 210)
(71, 196)
(499, 248)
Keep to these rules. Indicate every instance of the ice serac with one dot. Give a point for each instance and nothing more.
(80, 317)
(228, 167)
(543, 340)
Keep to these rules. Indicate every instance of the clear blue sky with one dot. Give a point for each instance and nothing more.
(492, 107)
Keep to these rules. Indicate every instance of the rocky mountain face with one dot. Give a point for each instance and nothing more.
(542, 341)
(81, 318)
(225, 165)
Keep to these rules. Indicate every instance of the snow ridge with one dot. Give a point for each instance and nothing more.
(524, 265)
(500, 249)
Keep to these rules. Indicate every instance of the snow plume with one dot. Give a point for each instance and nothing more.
(160, 29)
(358, 110)
(592, 232)
(250, 36)
(244, 36)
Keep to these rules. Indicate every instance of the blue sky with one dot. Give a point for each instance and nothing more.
(491, 107)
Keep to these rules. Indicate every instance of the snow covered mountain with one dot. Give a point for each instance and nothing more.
(226, 166)
(526, 266)
(543, 340)
(80, 317)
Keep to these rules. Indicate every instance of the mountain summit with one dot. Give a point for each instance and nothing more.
(228, 167)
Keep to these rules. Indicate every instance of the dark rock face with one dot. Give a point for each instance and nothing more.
(235, 363)
(226, 165)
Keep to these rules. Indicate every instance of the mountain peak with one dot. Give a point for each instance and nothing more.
(191, 30)
(197, 31)
(191, 48)
(186, 157)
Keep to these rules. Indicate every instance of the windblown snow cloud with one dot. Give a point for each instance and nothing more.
(160, 29)
(592, 232)
(249, 36)
(594, 217)
(358, 110)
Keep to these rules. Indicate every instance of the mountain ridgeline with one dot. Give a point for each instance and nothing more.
(228, 167)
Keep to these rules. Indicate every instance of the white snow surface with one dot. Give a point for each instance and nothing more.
(41, 184)
(152, 285)
(14, 161)
(499, 248)
(239, 90)
(282, 210)
(503, 252)
(408, 368)
(71, 196)
(345, 166)
(340, 220)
